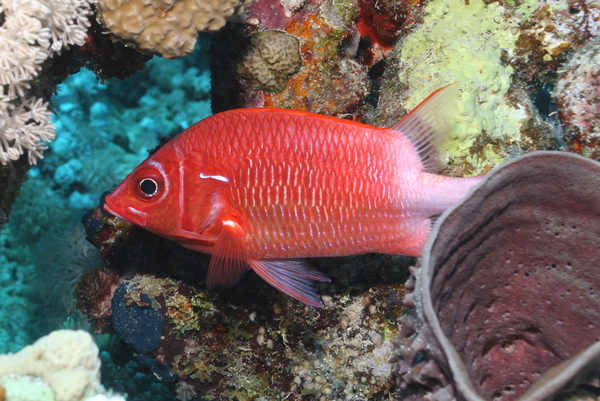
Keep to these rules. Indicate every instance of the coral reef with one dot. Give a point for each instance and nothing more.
(365, 60)
(67, 363)
(505, 56)
(334, 78)
(107, 129)
(167, 27)
(502, 55)
(250, 340)
(33, 31)
(508, 280)
(577, 93)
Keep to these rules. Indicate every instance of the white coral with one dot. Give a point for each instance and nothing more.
(32, 31)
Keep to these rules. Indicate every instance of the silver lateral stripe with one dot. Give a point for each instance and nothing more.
(215, 177)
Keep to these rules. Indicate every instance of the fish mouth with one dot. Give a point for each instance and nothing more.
(103, 205)
(107, 211)
(128, 213)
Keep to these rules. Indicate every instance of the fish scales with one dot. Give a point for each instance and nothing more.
(259, 188)
(326, 189)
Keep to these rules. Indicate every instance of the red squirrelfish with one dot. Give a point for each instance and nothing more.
(260, 188)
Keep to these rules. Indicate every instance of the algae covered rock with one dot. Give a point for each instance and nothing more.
(577, 94)
(505, 56)
(250, 340)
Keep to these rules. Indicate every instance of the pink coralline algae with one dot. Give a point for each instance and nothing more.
(508, 287)
(577, 94)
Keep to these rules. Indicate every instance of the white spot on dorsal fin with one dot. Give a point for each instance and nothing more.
(215, 177)
(430, 123)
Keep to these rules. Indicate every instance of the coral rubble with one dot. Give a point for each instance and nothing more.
(508, 282)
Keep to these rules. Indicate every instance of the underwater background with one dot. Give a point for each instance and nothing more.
(105, 130)
(103, 84)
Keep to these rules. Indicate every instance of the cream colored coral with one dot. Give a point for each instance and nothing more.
(166, 27)
(272, 57)
(30, 32)
(66, 360)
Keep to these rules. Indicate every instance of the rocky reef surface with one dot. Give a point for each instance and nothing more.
(527, 73)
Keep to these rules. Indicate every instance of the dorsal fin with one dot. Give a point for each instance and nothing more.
(430, 123)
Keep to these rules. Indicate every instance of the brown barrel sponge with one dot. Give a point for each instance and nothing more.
(508, 293)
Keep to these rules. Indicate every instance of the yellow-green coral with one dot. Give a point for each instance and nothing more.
(465, 42)
(187, 312)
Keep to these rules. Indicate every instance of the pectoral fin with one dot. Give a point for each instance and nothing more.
(292, 277)
(228, 263)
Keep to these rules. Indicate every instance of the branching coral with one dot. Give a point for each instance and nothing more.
(31, 31)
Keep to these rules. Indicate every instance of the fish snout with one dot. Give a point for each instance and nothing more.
(103, 207)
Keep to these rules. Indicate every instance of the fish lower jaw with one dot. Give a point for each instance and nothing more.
(140, 217)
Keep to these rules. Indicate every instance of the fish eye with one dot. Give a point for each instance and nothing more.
(148, 183)
(149, 187)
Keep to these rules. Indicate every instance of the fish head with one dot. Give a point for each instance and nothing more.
(149, 195)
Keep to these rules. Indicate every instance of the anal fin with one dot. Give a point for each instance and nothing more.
(292, 277)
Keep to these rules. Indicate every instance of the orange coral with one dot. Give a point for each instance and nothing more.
(327, 82)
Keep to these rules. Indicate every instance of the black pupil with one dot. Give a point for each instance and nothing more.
(148, 187)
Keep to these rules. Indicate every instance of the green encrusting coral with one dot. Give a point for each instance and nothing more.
(467, 42)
